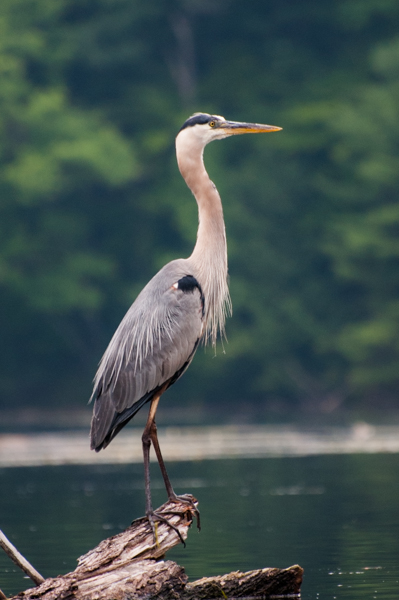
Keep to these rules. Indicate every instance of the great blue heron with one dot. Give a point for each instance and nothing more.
(184, 303)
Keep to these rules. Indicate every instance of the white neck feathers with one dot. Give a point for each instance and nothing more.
(209, 256)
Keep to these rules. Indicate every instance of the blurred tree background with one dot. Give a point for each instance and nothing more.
(92, 93)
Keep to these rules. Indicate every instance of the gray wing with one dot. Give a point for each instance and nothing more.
(153, 346)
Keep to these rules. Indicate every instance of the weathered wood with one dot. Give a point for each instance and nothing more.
(137, 541)
(262, 583)
(143, 579)
(128, 566)
(19, 560)
(125, 565)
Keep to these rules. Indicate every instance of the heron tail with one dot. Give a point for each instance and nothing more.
(107, 422)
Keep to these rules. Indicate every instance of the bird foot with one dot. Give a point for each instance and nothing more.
(191, 502)
(189, 509)
(154, 517)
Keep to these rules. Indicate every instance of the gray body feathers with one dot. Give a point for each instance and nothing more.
(152, 347)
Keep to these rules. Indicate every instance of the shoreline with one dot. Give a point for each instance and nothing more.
(198, 443)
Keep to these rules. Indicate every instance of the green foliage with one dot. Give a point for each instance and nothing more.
(92, 93)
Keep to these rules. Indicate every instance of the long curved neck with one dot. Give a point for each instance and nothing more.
(210, 252)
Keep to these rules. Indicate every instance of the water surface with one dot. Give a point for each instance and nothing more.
(336, 516)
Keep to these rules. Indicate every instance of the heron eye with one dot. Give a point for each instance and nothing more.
(211, 123)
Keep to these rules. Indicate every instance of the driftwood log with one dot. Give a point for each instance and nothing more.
(130, 566)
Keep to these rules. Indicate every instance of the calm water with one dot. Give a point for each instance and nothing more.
(336, 516)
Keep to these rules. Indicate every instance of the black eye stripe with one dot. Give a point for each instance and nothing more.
(199, 119)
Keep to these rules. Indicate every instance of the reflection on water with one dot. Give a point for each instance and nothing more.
(336, 516)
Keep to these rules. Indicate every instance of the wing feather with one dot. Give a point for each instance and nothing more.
(152, 346)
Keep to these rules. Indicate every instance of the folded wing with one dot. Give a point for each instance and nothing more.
(153, 346)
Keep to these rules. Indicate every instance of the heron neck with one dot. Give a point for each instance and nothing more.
(209, 256)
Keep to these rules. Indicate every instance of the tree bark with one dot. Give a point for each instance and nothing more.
(262, 583)
(19, 560)
(129, 566)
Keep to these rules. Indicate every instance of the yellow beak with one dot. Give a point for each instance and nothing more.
(235, 128)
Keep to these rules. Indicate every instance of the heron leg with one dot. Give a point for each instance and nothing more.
(172, 496)
(146, 441)
(155, 443)
(150, 436)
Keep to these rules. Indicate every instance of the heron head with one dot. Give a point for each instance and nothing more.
(204, 128)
